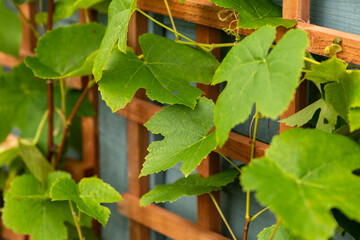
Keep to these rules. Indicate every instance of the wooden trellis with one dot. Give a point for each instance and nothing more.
(205, 15)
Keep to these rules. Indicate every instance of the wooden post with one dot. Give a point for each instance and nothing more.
(137, 138)
(207, 215)
(296, 10)
(28, 42)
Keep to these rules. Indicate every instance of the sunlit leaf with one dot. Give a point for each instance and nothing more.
(254, 75)
(190, 186)
(304, 174)
(164, 73)
(187, 137)
(66, 51)
(327, 117)
(87, 195)
(281, 234)
(328, 71)
(119, 13)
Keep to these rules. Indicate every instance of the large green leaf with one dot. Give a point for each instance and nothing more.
(28, 209)
(304, 174)
(328, 71)
(21, 95)
(281, 234)
(35, 161)
(190, 186)
(187, 137)
(255, 76)
(344, 96)
(326, 121)
(10, 31)
(256, 13)
(166, 73)
(87, 195)
(120, 12)
(66, 51)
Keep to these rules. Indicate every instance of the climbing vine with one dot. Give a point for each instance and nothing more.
(307, 177)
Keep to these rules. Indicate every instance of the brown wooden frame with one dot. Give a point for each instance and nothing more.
(205, 15)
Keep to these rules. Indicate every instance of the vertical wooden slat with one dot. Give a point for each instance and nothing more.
(137, 138)
(296, 10)
(207, 215)
(28, 38)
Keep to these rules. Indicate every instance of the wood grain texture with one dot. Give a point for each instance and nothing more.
(205, 13)
(137, 137)
(297, 10)
(164, 221)
(237, 147)
(28, 38)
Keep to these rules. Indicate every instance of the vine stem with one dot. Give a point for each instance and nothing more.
(247, 211)
(76, 220)
(50, 91)
(171, 20)
(40, 127)
(171, 30)
(229, 161)
(222, 216)
(31, 26)
(69, 121)
(211, 46)
(62, 92)
(311, 61)
(275, 229)
(258, 214)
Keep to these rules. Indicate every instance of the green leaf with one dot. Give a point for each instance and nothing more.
(304, 174)
(28, 209)
(281, 234)
(63, 9)
(21, 97)
(189, 186)
(87, 195)
(328, 71)
(120, 12)
(85, 3)
(344, 97)
(327, 118)
(35, 161)
(186, 137)
(66, 51)
(7, 156)
(164, 73)
(256, 14)
(255, 76)
(10, 31)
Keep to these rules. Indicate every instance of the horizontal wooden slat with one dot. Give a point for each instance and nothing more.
(11, 61)
(237, 147)
(205, 13)
(164, 221)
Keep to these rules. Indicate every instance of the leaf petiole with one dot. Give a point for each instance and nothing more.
(76, 220)
(209, 46)
(40, 127)
(275, 229)
(258, 214)
(222, 215)
(31, 26)
(171, 19)
(311, 60)
(229, 161)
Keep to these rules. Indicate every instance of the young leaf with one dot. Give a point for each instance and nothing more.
(281, 234)
(189, 186)
(187, 137)
(34, 160)
(344, 96)
(256, 14)
(10, 31)
(255, 76)
(87, 195)
(328, 71)
(27, 206)
(66, 51)
(304, 174)
(165, 73)
(21, 95)
(120, 12)
(327, 118)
